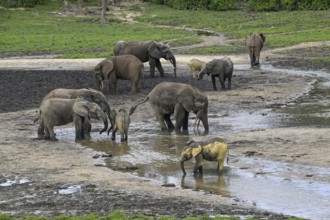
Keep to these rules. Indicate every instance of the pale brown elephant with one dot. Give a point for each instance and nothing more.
(56, 111)
(254, 44)
(195, 65)
(90, 95)
(122, 121)
(179, 99)
(125, 67)
(150, 51)
(212, 150)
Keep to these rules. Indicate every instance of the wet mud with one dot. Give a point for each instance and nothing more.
(270, 119)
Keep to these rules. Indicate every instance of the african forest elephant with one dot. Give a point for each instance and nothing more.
(57, 111)
(90, 95)
(222, 68)
(149, 51)
(125, 67)
(254, 44)
(122, 121)
(195, 65)
(212, 150)
(169, 98)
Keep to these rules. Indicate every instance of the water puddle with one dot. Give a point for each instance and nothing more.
(12, 182)
(69, 190)
(154, 154)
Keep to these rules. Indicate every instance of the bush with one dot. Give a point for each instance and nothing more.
(21, 3)
(222, 5)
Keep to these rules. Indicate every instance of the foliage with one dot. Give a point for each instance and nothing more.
(254, 5)
(21, 3)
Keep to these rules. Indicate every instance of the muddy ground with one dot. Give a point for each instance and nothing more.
(41, 169)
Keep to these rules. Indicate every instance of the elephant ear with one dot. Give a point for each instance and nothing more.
(263, 37)
(196, 150)
(107, 68)
(154, 50)
(187, 101)
(80, 109)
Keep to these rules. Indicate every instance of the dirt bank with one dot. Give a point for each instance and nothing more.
(42, 169)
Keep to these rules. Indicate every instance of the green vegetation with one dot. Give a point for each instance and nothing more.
(40, 31)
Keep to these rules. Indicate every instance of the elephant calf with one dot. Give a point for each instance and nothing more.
(195, 65)
(122, 121)
(212, 150)
(58, 111)
(222, 68)
(125, 67)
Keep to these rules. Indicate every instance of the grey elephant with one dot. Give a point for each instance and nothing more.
(254, 44)
(149, 51)
(122, 121)
(125, 67)
(57, 111)
(221, 68)
(180, 99)
(90, 95)
(212, 150)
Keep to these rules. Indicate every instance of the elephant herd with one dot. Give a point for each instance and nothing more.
(63, 106)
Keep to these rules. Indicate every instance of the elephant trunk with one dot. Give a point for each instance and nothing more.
(205, 122)
(105, 121)
(182, 167)
(99, 83)
(172, 59)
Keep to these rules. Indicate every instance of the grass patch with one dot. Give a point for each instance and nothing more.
(38, 30)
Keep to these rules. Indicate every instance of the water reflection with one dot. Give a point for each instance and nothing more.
(211, 184)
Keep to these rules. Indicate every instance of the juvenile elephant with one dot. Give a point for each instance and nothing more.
(122, 121)
(180, 99)
(57, 111)
(90, 95)
(195, 65)
(222, 68)
(212, 150)
(254, 44)
(125, 67)
(149, 51)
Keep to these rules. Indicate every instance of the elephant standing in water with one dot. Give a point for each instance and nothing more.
(149, 51)
(212, 150)
(222, 68)
(90, 95)
(122, 121)
(125, 67)
(254, 44)
(169, 98)
(57, 111)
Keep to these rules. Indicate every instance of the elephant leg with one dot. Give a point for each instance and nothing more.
(122, 136)
(50, 130)
(229, 82)
(160, 117)
(41, 128)
(257, 56)
(179, 114)
(113, 135)
(134, 87)
(160, 68)
(213, 83)
(185, 121)
(152, 64)
(170, 125)
(222, 82)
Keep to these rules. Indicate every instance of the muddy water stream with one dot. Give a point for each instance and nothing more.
(154, 154)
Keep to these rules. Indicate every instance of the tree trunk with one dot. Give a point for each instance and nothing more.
(104, 8)
(81, 7)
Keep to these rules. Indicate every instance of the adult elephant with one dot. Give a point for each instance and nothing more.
(254, 44)
(221, 68)
(180, 99)
(149, 51)
(57, 111)
(90, 95)
(125, 67)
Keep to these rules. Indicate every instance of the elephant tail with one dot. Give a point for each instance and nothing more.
(131, 111)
